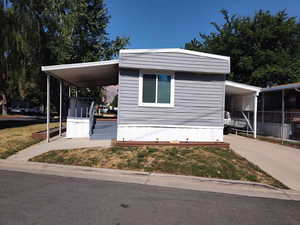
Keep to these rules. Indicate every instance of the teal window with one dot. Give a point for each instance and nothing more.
(156, 88)
(149, 88)
(164, 89)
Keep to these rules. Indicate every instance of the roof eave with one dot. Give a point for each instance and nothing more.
(79, 65)
(242, 86)
(178, 50)
(282, 87)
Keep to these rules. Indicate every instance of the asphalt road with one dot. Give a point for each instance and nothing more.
(21, 121)
(30, 199)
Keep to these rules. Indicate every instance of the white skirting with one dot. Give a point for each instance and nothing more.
(78, 128)
(169, 133)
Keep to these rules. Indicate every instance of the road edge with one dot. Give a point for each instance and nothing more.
(244, 188)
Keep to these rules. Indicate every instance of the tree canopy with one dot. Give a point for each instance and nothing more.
(35, 33)
(263, 48)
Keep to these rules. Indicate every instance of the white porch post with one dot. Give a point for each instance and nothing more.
(255, 115)
(48, 106)
(282, 115)
(60, 107)
(263, 108)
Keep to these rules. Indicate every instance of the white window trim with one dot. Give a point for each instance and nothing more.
(141, 103)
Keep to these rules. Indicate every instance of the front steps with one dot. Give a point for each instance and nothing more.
(104, 130)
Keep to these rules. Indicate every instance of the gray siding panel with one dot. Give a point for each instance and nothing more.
(175, 62)
(198, 101)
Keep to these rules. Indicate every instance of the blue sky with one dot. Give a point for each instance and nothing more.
(172, 23)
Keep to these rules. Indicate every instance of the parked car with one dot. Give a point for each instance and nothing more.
(15, 110)
(21, 110)
(103, 109)
(32, 110)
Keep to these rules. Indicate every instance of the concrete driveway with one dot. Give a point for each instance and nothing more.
(281, 162)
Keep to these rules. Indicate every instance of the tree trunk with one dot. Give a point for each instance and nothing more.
(4, 105)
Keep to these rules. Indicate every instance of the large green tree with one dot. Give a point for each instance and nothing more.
(11, 59)
(35, 33)
(263, 48)
(4, 21)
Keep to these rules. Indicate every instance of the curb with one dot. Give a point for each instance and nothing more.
(219, 180)
(43, 166)
(192, 183)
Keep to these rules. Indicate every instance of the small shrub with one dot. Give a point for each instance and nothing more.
(142, 154)
(152, 150)
(116, 149)
(251, 177)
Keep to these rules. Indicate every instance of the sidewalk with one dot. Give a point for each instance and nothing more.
(156, 179)
(57, 143)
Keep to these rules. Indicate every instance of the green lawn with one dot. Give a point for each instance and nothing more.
(196, 161)
(18, 138)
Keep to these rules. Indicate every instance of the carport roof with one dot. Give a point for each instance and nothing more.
(295, 85)
(234, 88)
(89, 74)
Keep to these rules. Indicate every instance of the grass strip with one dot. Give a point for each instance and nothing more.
(196, 161)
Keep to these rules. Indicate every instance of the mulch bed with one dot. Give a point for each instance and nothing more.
(166, 143)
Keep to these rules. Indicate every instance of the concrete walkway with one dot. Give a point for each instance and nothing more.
(281, 162)
(57, 143)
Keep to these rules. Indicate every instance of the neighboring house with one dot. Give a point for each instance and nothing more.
(164, 95)
(241, 101)
(279, 111)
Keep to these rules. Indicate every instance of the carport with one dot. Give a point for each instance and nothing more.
(240, 101)
(80, 75)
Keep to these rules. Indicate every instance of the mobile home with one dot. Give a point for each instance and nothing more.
(164, 95)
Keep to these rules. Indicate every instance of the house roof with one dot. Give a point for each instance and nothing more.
(103, 73)
(235, 88)
(174, 59)
(176, 50)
